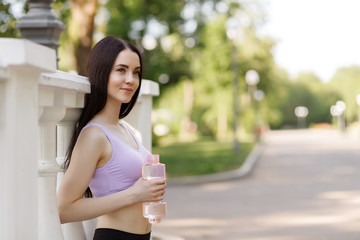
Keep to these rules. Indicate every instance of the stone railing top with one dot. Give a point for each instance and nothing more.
(66, 80)
(24, 53)
(81, 84)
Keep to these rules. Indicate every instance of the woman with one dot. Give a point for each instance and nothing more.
(105, 158)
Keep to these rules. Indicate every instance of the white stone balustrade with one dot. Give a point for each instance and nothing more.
(38, 109)
(61, 99)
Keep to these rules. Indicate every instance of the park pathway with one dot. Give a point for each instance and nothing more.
(305, 186)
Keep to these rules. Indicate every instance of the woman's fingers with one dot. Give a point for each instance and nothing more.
(151, 190)
(158, 190)
(158, 198)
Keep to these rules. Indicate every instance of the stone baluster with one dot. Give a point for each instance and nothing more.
(64, 131)
(49, 222)
(21, 63)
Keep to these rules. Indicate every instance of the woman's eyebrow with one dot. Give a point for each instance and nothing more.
(122, 65)
(125, 66)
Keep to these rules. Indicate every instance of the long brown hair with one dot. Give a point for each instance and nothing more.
(100, 62)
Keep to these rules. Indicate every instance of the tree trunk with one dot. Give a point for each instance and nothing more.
(81, 28)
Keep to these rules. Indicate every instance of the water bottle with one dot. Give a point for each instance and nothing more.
(153, 169)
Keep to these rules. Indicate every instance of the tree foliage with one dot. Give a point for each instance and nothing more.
(7, 21)
(152, 22)
(305, 90)
(213, 78)
(346, 82)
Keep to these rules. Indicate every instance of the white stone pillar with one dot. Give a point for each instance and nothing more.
(21, 63)
(140, 116)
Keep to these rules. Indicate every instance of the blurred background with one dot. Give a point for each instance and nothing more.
(229, 70)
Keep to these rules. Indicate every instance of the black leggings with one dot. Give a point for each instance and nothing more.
(113, 234)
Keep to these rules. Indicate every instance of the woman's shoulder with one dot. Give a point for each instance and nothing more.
(90, 146)
(92, 134)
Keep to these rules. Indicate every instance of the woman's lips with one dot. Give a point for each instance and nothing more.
(129, 90)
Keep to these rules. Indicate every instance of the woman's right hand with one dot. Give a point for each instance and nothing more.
(149, 190)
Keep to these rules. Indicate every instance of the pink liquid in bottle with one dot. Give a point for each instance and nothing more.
(153, 169)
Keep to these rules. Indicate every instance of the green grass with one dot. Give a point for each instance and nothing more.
(200, 157)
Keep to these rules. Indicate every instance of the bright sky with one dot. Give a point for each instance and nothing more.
(315, 35)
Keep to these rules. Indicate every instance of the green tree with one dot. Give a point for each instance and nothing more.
(213, 78)
(305, 90)
(155, 26)
(212, 74)
(322, 97)
(7, 21)
(346, 83)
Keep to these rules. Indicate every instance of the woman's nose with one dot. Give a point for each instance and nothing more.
(129, 77)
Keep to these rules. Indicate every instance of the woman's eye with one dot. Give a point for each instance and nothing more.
(121, 70)
(136, 72)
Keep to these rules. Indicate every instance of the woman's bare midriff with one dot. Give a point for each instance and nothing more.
(128, 219)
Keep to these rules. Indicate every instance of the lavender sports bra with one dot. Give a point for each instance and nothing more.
(122, 170)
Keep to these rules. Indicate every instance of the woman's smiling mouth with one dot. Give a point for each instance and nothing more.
(128, 90)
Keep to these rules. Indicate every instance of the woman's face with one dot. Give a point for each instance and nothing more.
(124, 77)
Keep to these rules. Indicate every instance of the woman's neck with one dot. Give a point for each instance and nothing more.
(109, 114)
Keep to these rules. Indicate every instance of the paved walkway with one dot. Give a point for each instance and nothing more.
(305, 186)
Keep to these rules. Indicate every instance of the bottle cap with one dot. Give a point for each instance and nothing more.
(151, 158)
